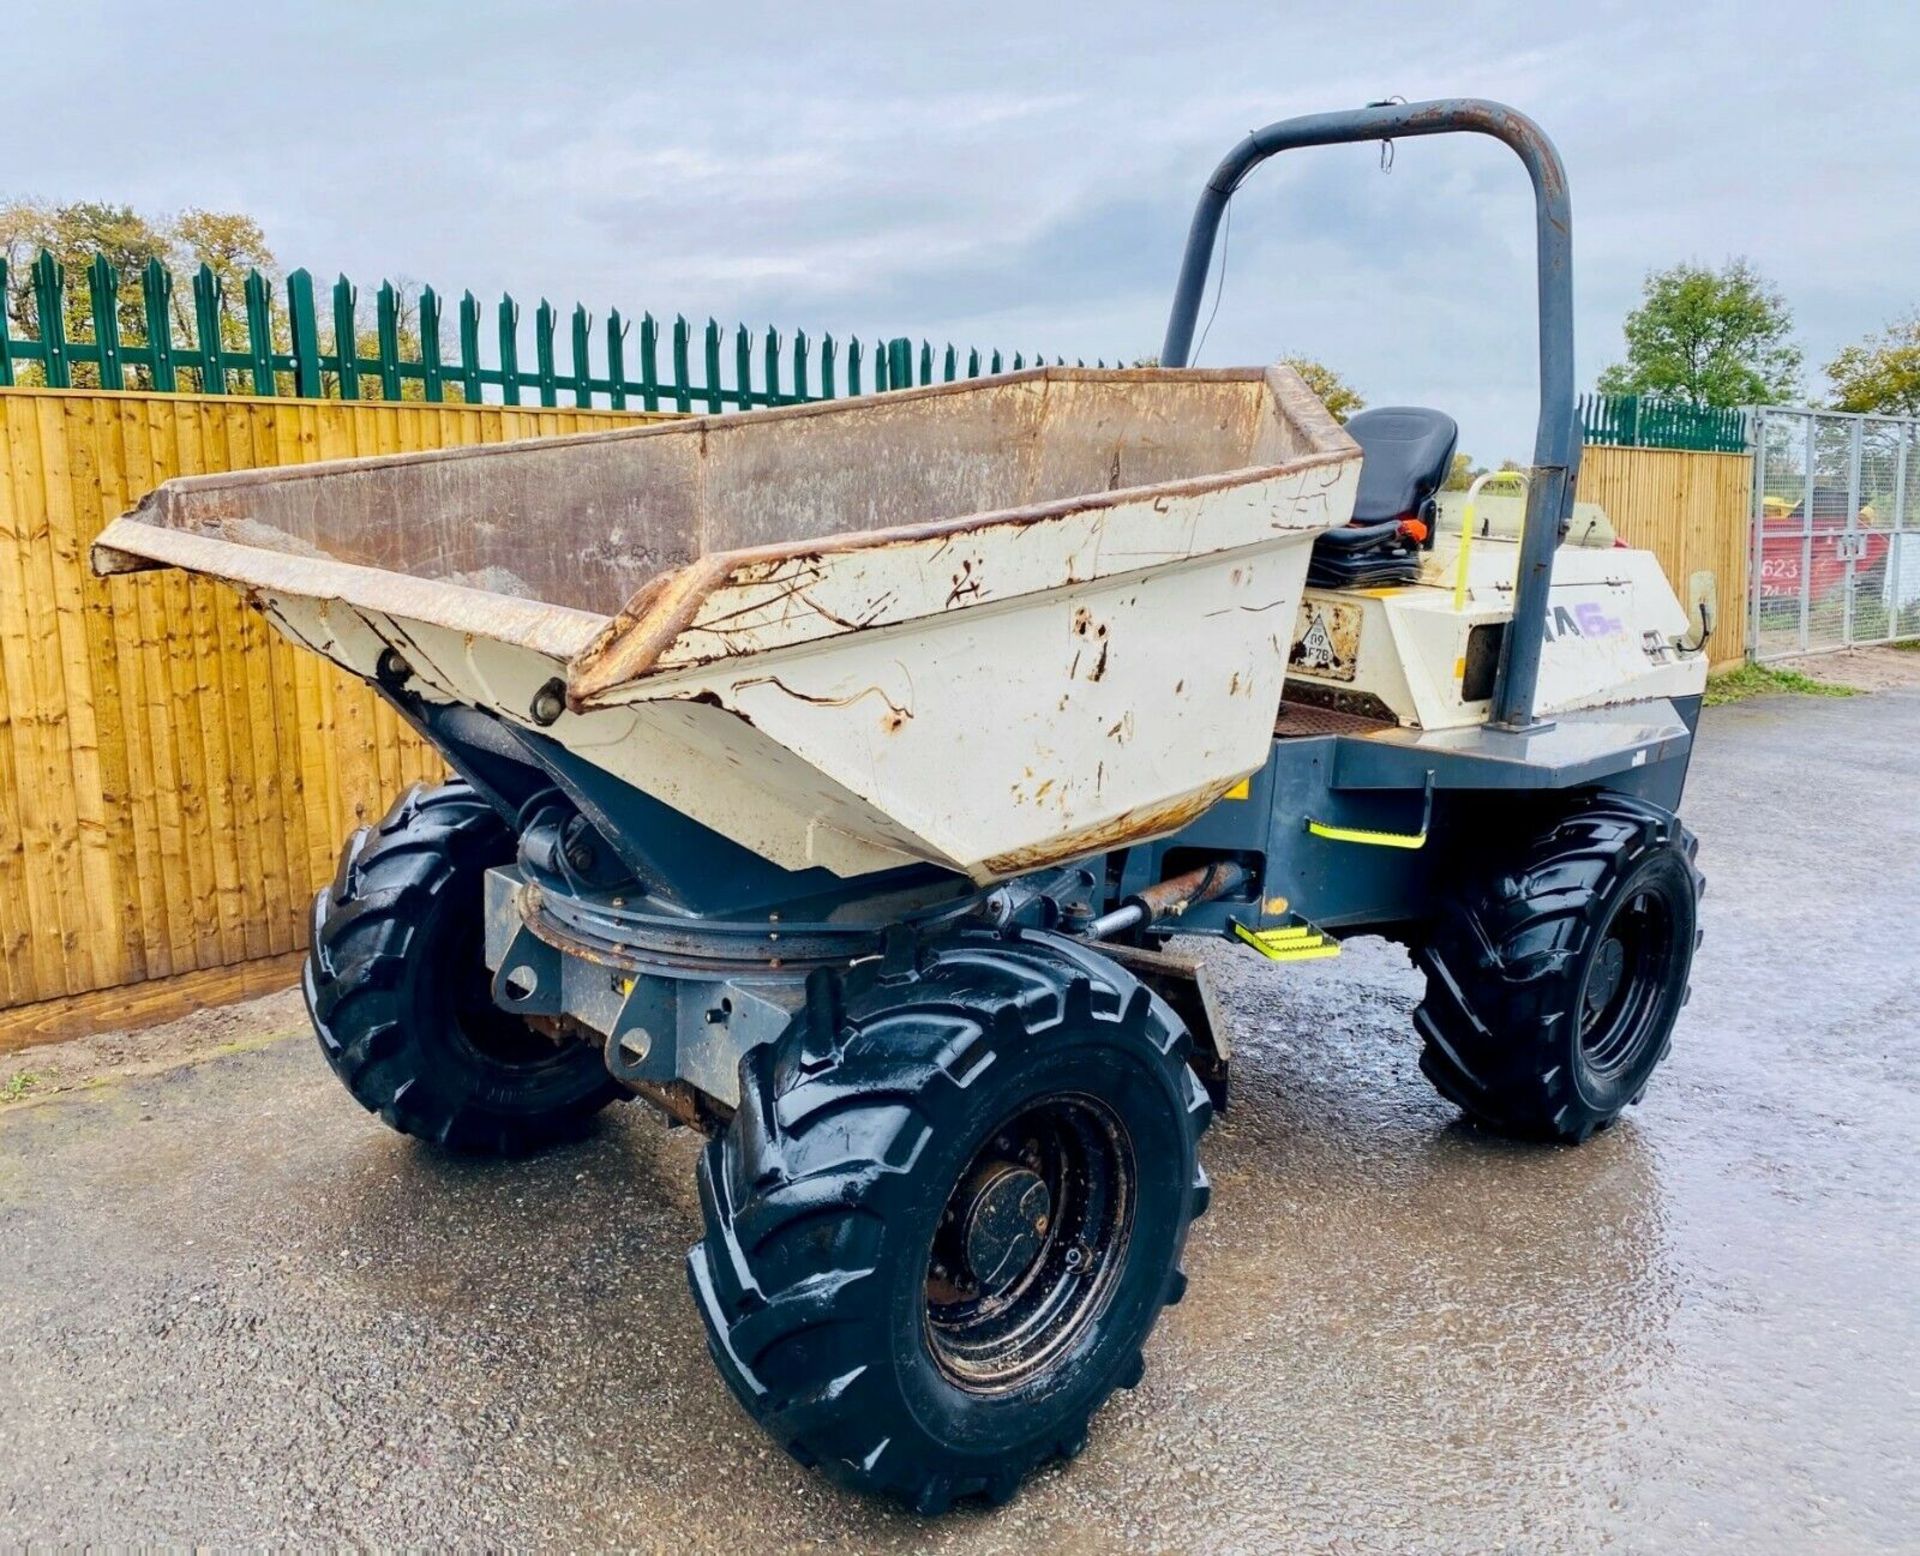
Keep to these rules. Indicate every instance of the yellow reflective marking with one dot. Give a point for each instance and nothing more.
(1305, 953)
(1292, 943)
(1240, 790)
(1371, 839)
(1460, 668)
(1275, 906)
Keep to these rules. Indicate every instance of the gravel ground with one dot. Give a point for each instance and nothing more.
(236, 1309)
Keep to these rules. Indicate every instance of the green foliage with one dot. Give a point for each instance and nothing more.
(1751, 680)
(1463, 474)
(73, 234)
(1712, 338)
(230, 245)
(1880, 373)
(18, 1085)
(1340, 397)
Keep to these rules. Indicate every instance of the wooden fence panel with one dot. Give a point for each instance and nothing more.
(175, 779)
(1693, 511)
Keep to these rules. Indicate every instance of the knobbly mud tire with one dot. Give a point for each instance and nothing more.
(1555, 977)
(830, 1204)
(398, 988)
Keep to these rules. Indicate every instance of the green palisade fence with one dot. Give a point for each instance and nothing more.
(265, 350)
(1646, 421)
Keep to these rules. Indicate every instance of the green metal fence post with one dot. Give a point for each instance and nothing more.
(303, 325)
(301, 362)
(711, 361)
(103, 302)
(682, 344)
(207, 322)
(470, 389)
(346, 338)
(509, 350)
(386, 337)
(431, 371)
(582, 356)
(544, 323)
(258, 296)
(649, 362)
(616, 360)
(49, 282)
(156, 296)
(6, 331)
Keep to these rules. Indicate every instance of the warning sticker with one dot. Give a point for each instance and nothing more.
(1326, 642)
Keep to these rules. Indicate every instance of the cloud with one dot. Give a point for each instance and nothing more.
(1019, 175)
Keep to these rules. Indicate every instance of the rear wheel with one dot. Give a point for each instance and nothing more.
(1554, 978)
(948, 1212)
(397, 984)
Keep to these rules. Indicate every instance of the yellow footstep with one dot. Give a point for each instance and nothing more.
(1297, 942)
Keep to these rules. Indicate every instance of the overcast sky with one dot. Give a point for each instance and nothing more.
(1017, 176)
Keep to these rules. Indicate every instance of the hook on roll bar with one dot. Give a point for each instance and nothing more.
(1556, 445)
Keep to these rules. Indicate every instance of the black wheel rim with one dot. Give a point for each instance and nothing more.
(491, 1034)
(1625, 983)
(1031, 1244)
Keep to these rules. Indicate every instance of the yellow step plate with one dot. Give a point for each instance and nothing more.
(1289, 942)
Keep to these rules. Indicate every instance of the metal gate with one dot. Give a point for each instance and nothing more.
(1836, 531)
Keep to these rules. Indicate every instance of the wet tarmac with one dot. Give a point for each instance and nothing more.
(233, 1308)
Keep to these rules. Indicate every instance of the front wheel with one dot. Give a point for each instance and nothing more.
(1555, 977)
(397, 985)
(947, 1213)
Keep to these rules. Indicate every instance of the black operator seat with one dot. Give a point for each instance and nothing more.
(1407, 453)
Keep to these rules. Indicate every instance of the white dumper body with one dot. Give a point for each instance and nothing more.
(988, 625)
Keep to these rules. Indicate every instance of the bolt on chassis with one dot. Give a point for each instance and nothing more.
(836, 777)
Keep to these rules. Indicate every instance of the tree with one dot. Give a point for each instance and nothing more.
(74, 234)
(231, 245)
(1709, 337)
(1463, 474)
(1334, 392)
(1880, 373)
(228, 244)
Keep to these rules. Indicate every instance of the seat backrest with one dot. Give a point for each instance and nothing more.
(1408, 452)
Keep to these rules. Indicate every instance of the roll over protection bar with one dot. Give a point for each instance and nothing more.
(1556, 444)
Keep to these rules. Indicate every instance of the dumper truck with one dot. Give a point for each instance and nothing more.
(855, 782)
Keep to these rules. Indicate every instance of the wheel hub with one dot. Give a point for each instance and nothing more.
(1030, 1244)
(1603, 982)
(1620, 1005)
(1005, 1224)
